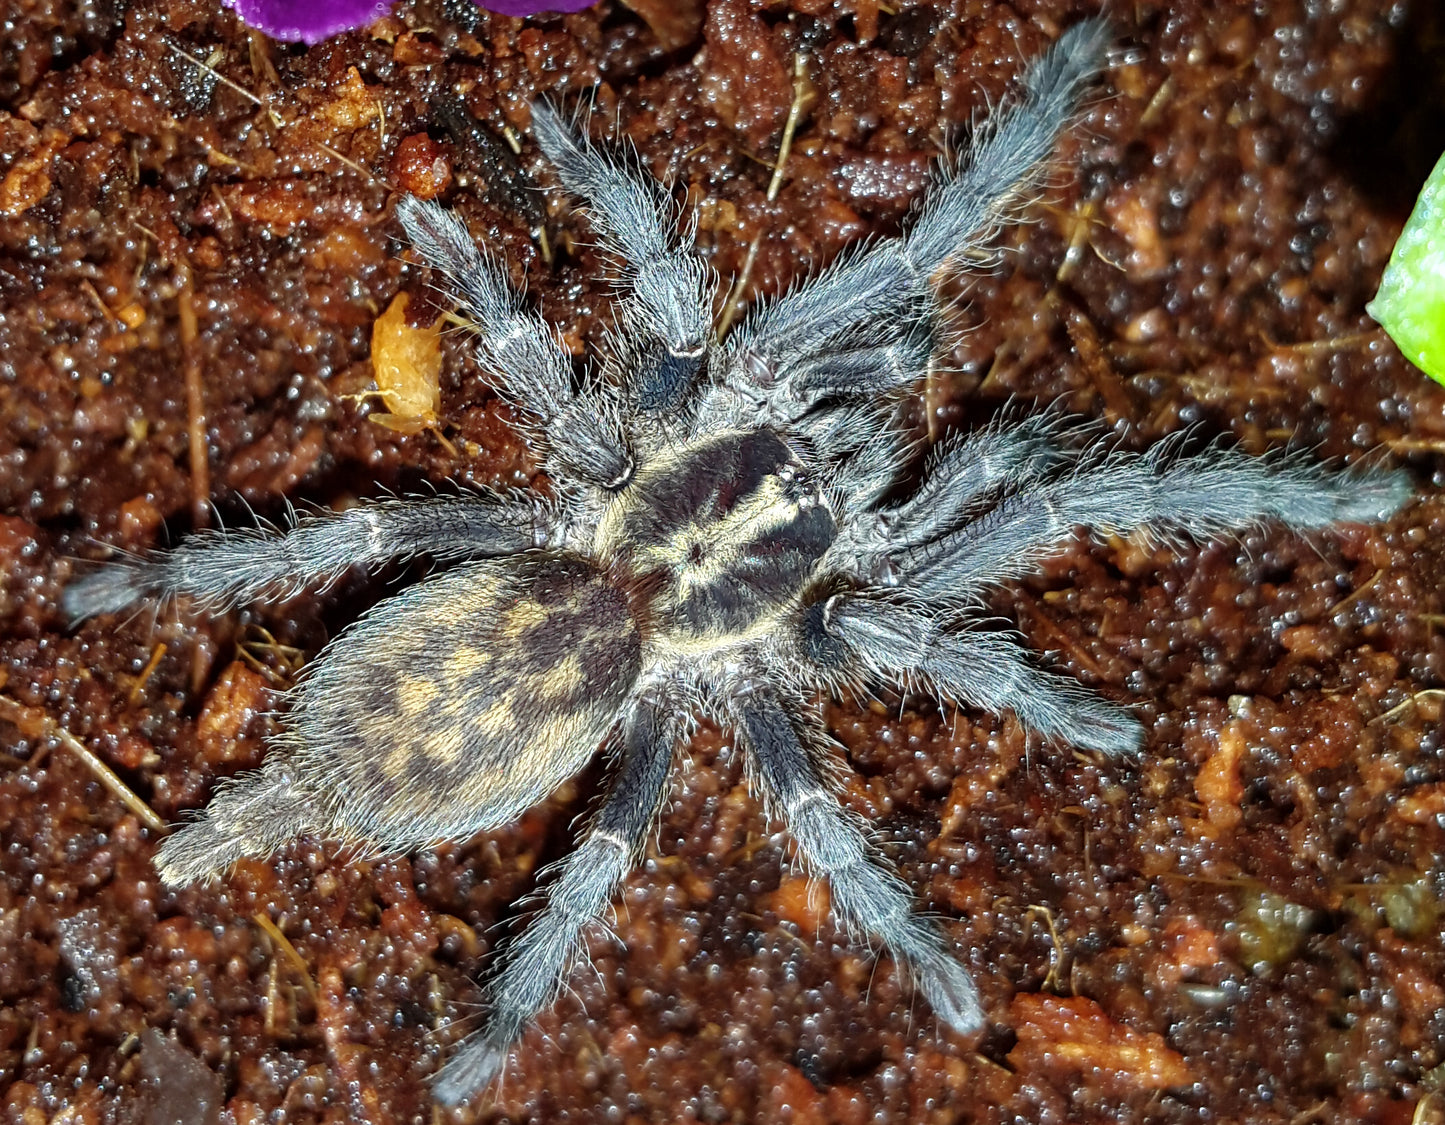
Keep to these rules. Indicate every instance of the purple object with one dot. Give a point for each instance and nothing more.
(311, 21)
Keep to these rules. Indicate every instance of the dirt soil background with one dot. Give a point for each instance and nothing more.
(1246, 925)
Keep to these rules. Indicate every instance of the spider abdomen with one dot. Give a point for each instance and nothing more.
(434, 739)
(725, 530)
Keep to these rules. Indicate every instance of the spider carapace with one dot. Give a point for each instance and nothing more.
(726, 532)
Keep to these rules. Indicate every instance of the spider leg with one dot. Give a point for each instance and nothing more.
(960, 474)
(535, 964)
(1001, 167)
(871, 449)
(891, 280)
(857, 373)
(523, 355)
(833, 843)
(1204, 494)
(863, 372)
(884, 640)
(666, 319)
(254, 814)
(228, 568)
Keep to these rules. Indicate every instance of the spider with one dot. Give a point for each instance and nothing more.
(730, 535)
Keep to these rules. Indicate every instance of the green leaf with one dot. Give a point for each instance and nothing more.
(1411, 301)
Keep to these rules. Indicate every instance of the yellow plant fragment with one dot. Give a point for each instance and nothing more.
(407, 363)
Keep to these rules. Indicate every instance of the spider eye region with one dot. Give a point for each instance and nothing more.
(726, 530)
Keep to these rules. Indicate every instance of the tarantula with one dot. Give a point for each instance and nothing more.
(725, 537)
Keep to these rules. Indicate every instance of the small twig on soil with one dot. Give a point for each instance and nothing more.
(195, 402)
(94, 295)
(201, 64)
(795, 111)
(1414, 700)
(1416, 445)
(1068, 644)
(1079, 223)
(283, 943)
(1324, 347)
(1155, 108)
(139, 686)
(289, 657)
(775, 185)
(35, 723)
(1090, 350)
(1053, 979)
(1361, 592)
(276, 119)
(739, 285)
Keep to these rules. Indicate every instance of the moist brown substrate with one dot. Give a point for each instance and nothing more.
(1247, 924)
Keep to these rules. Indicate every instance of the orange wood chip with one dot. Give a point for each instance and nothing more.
(1073, 1033)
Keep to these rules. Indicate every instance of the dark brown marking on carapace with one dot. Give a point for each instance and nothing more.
(729, 528)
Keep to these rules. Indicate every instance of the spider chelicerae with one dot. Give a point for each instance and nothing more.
(728, 535)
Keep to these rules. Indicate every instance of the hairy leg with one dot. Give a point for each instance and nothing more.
(523, 355)
(882, 640)
(666, 318)
(891, 280)
(1203, 495)
(864, 372)
(254, 814)
(873, 446)
(535, 964)
(831, 841)
(228, 568)
(1000, 168)
(960, 475)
